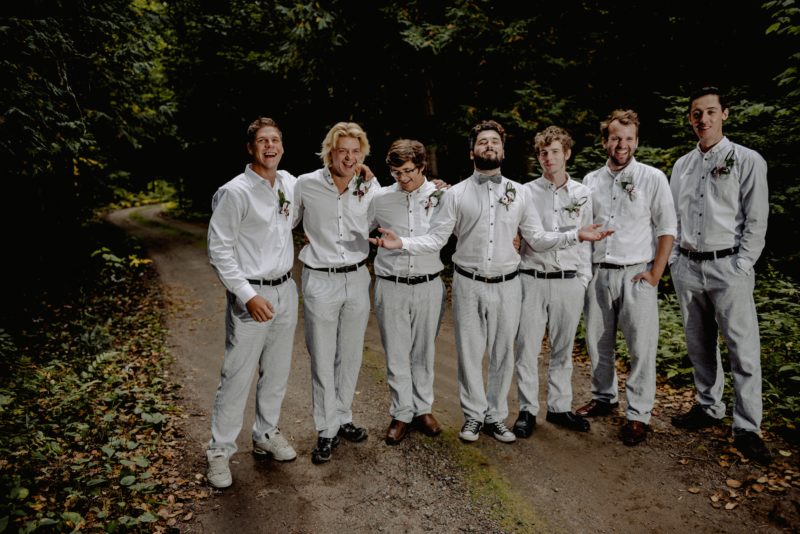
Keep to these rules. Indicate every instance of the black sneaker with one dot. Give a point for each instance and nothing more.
(324, 449)
(499, 431)
(353, 433)
(471, 430)
(695, 419)
(752, 447)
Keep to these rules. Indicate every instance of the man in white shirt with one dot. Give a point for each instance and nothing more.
(409, 295)
(250, 247)
(484, 212)
(721, 195)
(553, 288)
(634, 199)
(333, 202)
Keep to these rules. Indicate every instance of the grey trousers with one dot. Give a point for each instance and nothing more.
(486, 319)
(716, 296)
(614, 301)
(250, 345)
(409, 317)
(336, 308)
(555, 304)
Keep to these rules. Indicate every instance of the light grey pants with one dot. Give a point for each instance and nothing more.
(336, 308)
(409, 317)
(555, 304)
(716, 296)
(486, 318)
(614, 301)
(250, 345)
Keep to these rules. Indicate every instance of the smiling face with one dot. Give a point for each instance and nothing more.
(346, 154)
(487, 154)
(621, 144)
(706, 117)
(553, 159)
(266, 150)
(408, 176)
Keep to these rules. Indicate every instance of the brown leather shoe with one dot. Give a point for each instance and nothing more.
(427, 424)
(596, 408)
(397, 431)
(633, 433)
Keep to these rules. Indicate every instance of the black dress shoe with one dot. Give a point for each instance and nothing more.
(752, 446)
(351, 432)
(568, 420)
(324, 449)
(596, 407)
(524, 425)
(695, 419)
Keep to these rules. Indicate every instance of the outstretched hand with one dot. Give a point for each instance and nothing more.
(592, 232)
(388, 239)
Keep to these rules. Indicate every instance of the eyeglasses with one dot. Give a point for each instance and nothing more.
(397, 173)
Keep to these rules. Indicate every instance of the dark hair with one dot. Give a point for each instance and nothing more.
(624, 117)
(484, 126)
(259, 123)
(404, 150)
(709, 90)
(550, 134)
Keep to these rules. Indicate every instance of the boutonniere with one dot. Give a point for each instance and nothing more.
(283, 204)
(720, 171)
(574, 207)
(433, 200)
(509, 196)
(627, 185)
(362, 186)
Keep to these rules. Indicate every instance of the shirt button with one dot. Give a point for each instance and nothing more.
(613, 198)
(411, 230)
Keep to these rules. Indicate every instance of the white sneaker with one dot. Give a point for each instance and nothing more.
(219, 474)
(275, 445)
(499, 431)
(471, 430)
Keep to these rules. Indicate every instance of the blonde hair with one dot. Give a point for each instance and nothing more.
(343, 129)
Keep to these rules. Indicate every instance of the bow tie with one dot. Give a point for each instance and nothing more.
(482, 178)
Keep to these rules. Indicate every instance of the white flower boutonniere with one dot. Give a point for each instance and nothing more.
(362, 186)
(721, 171)
(509, 196)
(574, 207)
(283, 203)
(433, 200)
(627, 185)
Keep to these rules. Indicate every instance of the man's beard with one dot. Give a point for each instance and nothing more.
(487, 164)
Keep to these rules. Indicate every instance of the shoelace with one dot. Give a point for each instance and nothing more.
(501, 428)
(472, 426)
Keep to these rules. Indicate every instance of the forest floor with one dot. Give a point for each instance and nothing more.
(555, 481)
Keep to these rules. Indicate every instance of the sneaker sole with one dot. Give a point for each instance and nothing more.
(468, 437)
(226, 484)
(504, 439)
(261, 452)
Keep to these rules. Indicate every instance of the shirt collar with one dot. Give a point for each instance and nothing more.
(724, 144)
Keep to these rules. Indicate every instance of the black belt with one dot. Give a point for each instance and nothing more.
(550, 275)
(611, 266)
(276, 282)
(345, 269)
(485, 279)
(713, 255)
(412, 280)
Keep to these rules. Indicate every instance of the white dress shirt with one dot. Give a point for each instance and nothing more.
(474, 211)
(561, 209)
(638, 217)
(408, 214)
(721, 210)
(337, 225)
(249, 237)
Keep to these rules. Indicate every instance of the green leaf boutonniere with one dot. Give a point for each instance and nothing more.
(283, 203)
(361, 187)
(720, 171)
(509, 195)
(433, 200)
(574, 207)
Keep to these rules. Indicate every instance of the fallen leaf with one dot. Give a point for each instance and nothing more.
(731, 505)
(683, 461)
(693, 489)
(757, 487)
(784, 453)
(714, 498)
(732, 483)
(762, 480)
(187, 517)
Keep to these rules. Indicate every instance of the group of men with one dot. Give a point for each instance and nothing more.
(599, 248)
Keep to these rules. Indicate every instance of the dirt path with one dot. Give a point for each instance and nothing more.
(557, 481)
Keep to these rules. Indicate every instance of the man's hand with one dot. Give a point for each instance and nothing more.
(592, 232)
(440, 184)
(363, 170)
(260, 309)
(517, 241)
(388, 239)
(650, 276)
